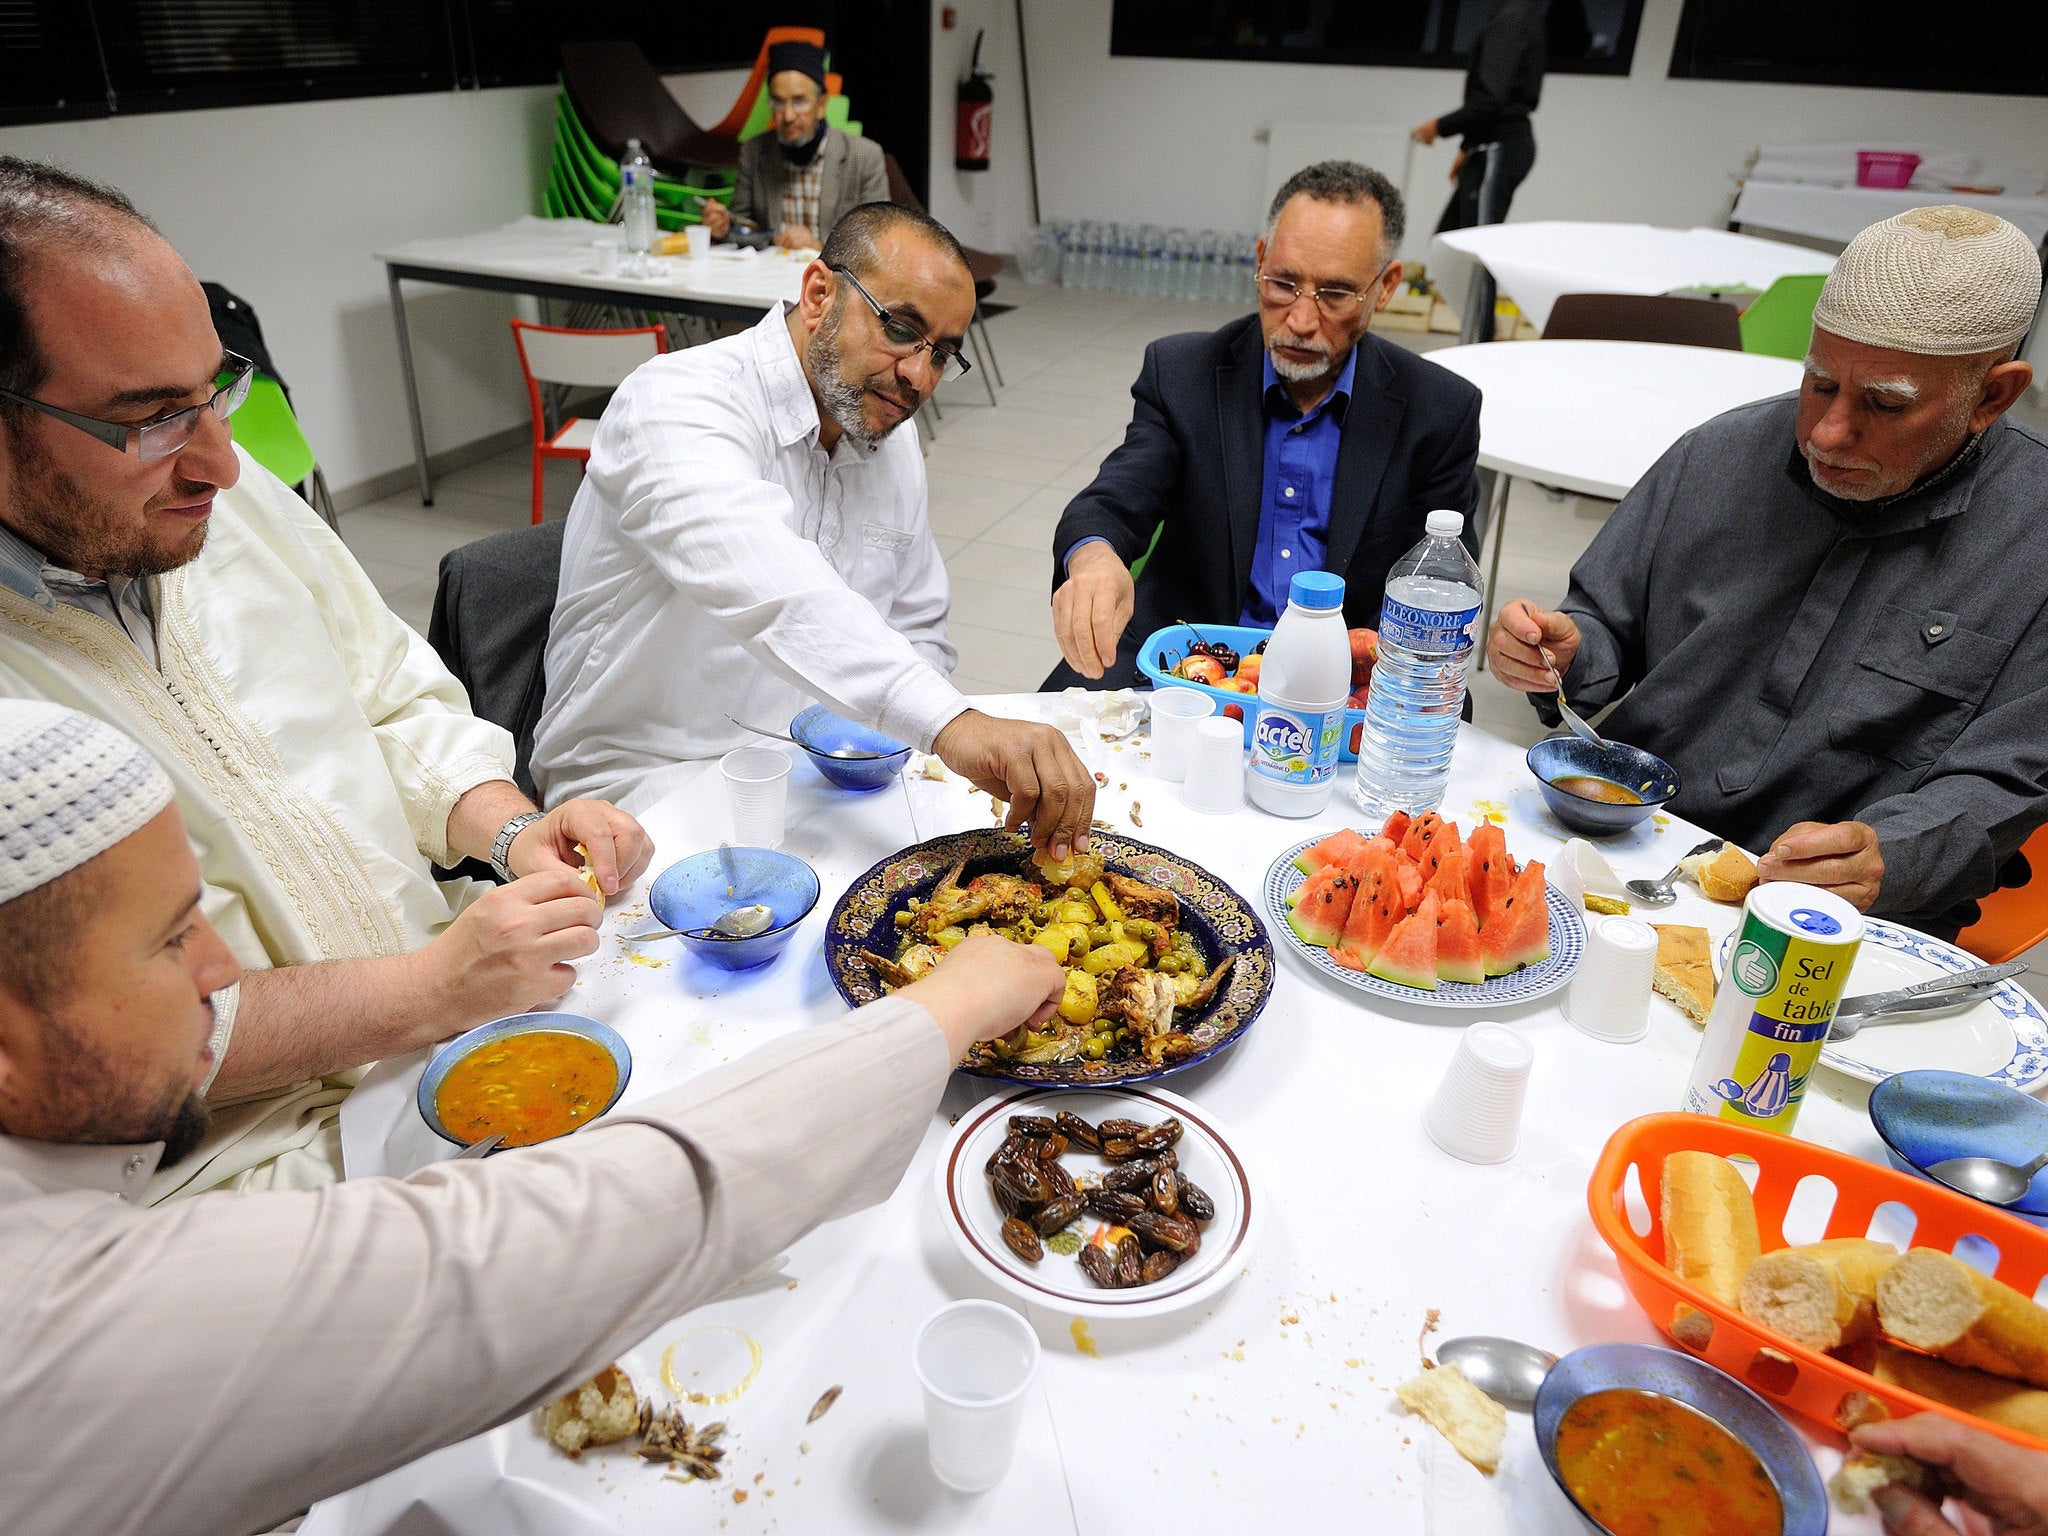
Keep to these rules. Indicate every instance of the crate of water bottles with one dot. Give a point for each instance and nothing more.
(1145, 260)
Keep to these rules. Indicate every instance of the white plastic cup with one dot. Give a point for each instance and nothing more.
(757, 791)
(1174, 713)
(1476, 1114)
(699, 238)
(1214, 783)
(1610, 993)
(607, 253)
(974, 1360)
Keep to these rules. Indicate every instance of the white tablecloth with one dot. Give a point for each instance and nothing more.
(1841, 213)
(1535, 263)
(1593, 416)
(1269, 1405)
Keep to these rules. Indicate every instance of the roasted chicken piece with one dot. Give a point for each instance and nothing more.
(996, 899)
(1141, 1000)
(1141, 900)
(916, 961)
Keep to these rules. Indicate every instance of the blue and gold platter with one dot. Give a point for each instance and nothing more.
(1221, 921)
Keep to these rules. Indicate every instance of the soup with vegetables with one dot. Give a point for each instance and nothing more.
(528, 1087)
(1590, 787)
(1643, 1464)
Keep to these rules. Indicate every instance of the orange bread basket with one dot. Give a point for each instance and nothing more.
(1812, 1384)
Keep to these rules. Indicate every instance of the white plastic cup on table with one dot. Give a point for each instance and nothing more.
(757, 790)
(1476, 1113)
(1610, 992)
(974, 1360)
(699, 238)
(607, 253)
(1175, 712)
(1214, 778)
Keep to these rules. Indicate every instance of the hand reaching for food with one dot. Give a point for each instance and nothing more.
(1841, 856)
(1091, 608)
(986, 986)
(2005, 1483)
(1033, 767)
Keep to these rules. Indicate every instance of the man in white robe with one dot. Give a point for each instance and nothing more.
(153, 576)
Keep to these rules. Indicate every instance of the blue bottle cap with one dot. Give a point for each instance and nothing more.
(1316, 589)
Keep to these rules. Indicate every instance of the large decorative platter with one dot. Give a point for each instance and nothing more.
(1567, 944)
(1222, 921)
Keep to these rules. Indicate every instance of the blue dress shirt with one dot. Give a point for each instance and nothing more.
(1294, 491)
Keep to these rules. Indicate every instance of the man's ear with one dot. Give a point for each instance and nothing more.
(814, 297)
(1390, 282)
(2003, 386)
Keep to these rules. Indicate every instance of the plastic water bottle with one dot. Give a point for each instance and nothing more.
(1303, 685)
(636, 180)
(1418, 682)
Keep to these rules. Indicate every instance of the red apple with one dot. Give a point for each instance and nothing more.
(1202, 669)
(1365, 650)
(1249, 668)
(1357, 732)
(1234, 712)
(1239, 684)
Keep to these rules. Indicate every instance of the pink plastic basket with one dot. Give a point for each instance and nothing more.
(1889, 169)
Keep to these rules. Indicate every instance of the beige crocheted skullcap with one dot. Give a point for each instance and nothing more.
(70, 788)
(1941, 281)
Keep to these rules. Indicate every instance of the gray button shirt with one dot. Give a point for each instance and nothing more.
(1801, 658)
(123, 601)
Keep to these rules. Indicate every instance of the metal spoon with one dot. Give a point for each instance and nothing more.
(1660, 892)
(1578, 727)
(739, 923)
(1987, 1179)
(1506, 1370)
(482, 1148)
(849, 754)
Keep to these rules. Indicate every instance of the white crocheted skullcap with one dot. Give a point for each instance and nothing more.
(1941, 281)
(70, 788)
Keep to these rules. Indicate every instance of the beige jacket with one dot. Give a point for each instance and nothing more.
(854, 173)
(213, 1365)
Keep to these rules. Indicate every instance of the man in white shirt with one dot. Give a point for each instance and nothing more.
(214, 1365)
(751, 535)
(153, 576)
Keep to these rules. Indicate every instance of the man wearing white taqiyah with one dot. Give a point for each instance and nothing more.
(1827, 611)
(214, 1365)
(154, 576)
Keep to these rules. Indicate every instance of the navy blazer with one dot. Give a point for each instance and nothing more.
(1194, 460)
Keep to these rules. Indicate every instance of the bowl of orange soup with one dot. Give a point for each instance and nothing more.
(529, 1078)
(1650, 1442)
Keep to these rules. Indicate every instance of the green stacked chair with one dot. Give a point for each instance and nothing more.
(1780, 322)
(269, 433)
(583, 181)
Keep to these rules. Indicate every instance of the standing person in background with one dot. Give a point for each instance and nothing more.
(798, 179)
(1502, 87)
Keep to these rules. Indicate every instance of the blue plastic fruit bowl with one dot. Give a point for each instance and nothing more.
(1167, 648)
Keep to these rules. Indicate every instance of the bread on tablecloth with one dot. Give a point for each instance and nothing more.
(1473, 1422)
(1684, 974)
(1728, 875)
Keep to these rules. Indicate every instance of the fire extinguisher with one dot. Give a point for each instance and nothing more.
(975, 111)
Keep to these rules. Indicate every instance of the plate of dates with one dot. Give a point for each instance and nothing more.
(1112, 1202)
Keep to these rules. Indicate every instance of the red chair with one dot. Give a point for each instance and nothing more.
(2014, 919)
(550, 354)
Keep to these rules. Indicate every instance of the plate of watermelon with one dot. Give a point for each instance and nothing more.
(1417, 914)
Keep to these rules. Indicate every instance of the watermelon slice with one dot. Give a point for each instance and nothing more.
(1444, 845)
(1337, 848)
(1322, 905)
(1457, 943)
(1490, 871)
(1519, 932)
(1450, 882)
(1375, 913)
(1422, 831)
(1409, 955)
(1396, 828)
(1410, 874)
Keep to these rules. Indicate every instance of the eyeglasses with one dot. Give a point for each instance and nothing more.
(1335, 303)
(906, 340)
(155, 440)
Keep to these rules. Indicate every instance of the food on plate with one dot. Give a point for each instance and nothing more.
(528, 1087)
(1416, 904)
(1976, 1392)
(1473, 1422)
(1728, 875)
(1939, 1305)
(1862, 1474)
(1147, 1215)
(1822, 1295)
(1709, 1219)
(1589, 786)
(1133, 970)
(1643, 1464)
(1684, 973)
(605, 1409)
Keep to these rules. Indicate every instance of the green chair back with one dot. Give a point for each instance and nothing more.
(1138, 565)
(1780, 322)
(269, 433)
(583, 181)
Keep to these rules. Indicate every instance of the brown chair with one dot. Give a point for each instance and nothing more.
(619, 97)
(984, 269)
(1645, 317)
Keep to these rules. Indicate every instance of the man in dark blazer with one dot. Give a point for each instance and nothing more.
(1288, 440)
(798, 179)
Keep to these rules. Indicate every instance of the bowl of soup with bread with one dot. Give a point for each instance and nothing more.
(528, 1078)
(1600, 790)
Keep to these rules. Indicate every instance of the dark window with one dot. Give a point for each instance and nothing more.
(1587, 37)
(49, 62)
(1968, 45)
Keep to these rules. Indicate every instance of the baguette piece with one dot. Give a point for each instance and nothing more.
(1863, 1473)
(1728, 875)
(1710, 1236)
(1473, 1422)
(1822, 1295)
(1988, 1397)
(1683, 972)
(1939, 1305)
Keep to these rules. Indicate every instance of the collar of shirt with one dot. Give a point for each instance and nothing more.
(1939, 495)
(57, 1168)
(24, 569)
(1280, 405)
(793, 408)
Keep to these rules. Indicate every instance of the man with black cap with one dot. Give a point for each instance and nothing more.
(799, 179)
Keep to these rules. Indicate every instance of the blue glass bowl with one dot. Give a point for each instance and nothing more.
(1559, 757)
(1647, 1368)
(1928, 1117)
(697, 892)
(517, 1024)
(820, 732)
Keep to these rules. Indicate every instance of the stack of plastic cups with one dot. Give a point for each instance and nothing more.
(1214, 782)
(757, 792)
(1476, 1114)
(974, 1360)
(1610, 993)
(1175, 713)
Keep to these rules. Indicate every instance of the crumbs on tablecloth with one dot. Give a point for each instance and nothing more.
(1136, 820)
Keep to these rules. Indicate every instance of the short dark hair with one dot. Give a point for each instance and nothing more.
(40, 932)
(1345, 181)
(40, 206)
(852, 241)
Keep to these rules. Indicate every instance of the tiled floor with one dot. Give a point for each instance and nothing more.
(999, 481)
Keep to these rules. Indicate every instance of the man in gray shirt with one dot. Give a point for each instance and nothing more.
(1829, 611)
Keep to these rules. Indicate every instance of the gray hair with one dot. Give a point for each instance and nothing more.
(1345, 181)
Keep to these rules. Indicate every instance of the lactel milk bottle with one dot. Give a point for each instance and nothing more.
(1304, 685)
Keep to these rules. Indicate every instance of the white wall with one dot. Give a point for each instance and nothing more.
(1178, 141)
(286, 204)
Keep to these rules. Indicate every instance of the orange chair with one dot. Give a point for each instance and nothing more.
(550, 354)
(2014, 919)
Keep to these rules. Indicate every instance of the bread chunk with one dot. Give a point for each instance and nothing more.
(1728, 875)
(1710, 1236)
(602, 1410)
(1473, 1422)
(1822, 1295)
(1988, 1397)
(1863, 1474)
(1684, 974)
(1939, 1305)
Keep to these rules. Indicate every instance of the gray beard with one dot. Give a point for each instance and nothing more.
(841, 401)
(1300, 373)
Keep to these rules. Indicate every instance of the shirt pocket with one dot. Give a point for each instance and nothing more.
(1920, 679)
(878, 555)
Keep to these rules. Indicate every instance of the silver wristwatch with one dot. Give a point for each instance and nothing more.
(501, 845)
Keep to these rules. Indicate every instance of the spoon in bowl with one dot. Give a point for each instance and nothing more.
(1988, 1179)
(850, 754)
(1662, 892)
(1578, 727)
(1506, 1370)
(739, 923)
